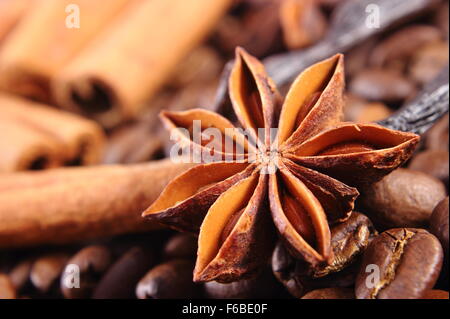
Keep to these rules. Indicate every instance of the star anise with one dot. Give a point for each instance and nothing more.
(238, 206)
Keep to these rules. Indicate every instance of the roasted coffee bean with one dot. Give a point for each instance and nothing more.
(201, 65)
(357, 58)
(46, 271)
(440, 18)
(436, 294)
(437, 136)
(302, 22)
(348, 239)
(401, 263)
(382, 85)
(432, 162)
(404, 198)
(428, 62)
(264, 285)
(153, 242)
(284, 269)
(121, 278)
(169, 280)
(403, 44)
(182, 245)
(439, 224)
(20, 274)
(92, 262)
(360, 111)
(258, 31)
(293, 274)
(7, 290)
(330, 293)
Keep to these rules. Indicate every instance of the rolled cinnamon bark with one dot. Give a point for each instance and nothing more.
(11, 11)
(23, 148)
(81, 140)
(42, 43)
(125, 65)
(91, 203)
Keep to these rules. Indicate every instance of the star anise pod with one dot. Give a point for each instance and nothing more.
(238, 206)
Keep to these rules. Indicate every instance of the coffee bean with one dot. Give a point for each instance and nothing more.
(439, 224)
(403, 44)
(7, 290)
(428, 62)
(436, 137)
(401, 263)
(330, 293)
(357, 58)
(404, 198)
(382, 85)
(348, 240)
(169, 280)
(92, 262)
(258, 31)
(46, 270)
(440, 18)
(361, 111)
(303, 23)
(182, 246)
(284, 267)
(373, 112)
(20, 274)
(295, 275)
(264, 285)
(432, 162)
(436, 294)
(121, 278)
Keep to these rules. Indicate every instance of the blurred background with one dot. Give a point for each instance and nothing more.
(118, 63)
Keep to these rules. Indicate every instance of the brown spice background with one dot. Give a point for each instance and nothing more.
(152, 67)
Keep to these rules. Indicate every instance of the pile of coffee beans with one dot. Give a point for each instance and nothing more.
(394, 245)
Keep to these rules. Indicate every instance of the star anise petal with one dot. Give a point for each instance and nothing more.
(254, 96)
(299, 218)
(185, 201)
(236, 236)
(319, 156)
(314, 102)
(337, 199)
(177, 121)
(356, 154)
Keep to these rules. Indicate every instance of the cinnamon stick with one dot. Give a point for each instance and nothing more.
(81, 141)
(42, 43)
(11, 11)
(74, 204)
(128, 62)
(23, 148)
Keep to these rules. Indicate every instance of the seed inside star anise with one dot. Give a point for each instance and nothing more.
(302, 181)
